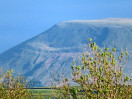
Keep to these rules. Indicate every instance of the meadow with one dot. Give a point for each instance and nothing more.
(43, 93)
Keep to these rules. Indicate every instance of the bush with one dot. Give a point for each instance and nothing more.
(13, 87)
(99, 75)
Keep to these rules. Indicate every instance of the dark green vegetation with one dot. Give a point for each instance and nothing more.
(53, 51)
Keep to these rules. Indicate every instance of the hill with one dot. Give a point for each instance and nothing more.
(53, 51)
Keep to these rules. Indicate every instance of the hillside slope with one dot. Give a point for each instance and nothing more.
(53, 51)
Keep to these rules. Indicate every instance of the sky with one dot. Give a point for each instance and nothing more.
(21, 20)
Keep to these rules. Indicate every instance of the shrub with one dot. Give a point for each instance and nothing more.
(100, 75)
(13, 87)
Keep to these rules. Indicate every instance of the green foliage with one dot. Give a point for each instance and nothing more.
(100, 75)
(13, 87)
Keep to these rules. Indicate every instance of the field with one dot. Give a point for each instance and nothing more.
(50, 93)
(47, 92)
(43, 93)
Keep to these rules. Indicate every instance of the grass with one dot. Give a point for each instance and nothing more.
(44, 93)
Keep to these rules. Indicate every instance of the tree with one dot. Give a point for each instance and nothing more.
(100, 75)
(12, 87)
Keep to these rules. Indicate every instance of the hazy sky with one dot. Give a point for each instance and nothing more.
(23, 19)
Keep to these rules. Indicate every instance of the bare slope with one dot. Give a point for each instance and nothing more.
(53, 50)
